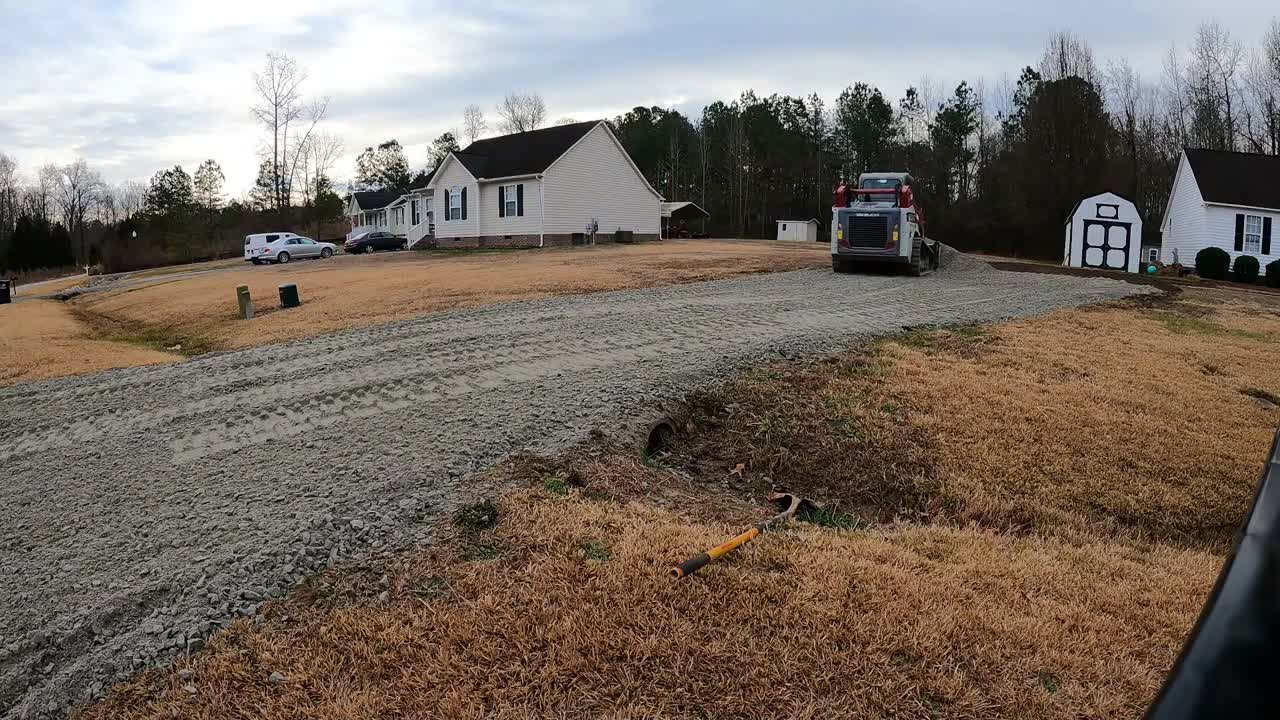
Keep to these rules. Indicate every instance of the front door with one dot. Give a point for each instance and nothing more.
(1106, 245)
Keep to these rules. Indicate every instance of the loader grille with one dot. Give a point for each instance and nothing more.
(867, 232)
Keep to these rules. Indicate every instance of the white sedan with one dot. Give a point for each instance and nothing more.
(284, 249)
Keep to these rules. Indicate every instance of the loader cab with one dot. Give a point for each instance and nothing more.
(898, 182)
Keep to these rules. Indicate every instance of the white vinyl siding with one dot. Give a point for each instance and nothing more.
(528, 224)
(1184, 224)
(452, 175)
(1220, 231)
(594, 179)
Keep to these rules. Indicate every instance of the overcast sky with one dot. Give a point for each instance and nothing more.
(135, 86)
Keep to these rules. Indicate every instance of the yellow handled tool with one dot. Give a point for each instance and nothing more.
(793, 503)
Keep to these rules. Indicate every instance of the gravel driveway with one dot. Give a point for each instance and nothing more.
(141, 509)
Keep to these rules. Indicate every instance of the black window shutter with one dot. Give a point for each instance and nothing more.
(446, 206)
(520, 201)
(1239, 232)
(1266, 236)
(502, 199)
(464, 203)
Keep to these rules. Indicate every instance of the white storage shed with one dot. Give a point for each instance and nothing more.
(798, 230)
(1104, 231)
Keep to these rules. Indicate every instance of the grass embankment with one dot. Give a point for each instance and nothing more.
(1040, 510)
(192, 308)
(42, 339)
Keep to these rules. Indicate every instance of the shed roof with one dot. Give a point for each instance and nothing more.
(1236, 178)
(526, 153)
(810, 220)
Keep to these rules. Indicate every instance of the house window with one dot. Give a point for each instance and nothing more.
(429, 203)
(510, 196)
(397, 216)
(455, 203)
(414, 217)
(1253, 233)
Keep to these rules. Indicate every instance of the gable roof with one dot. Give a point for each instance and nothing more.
(426, 182)
(1236, 178)
(526, 153)
(1071, 215)
(375, 199)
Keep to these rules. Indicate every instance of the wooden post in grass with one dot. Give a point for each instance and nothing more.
(246, 302)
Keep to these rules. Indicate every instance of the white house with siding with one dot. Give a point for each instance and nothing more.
(407, 215)
(1222, 199)
(561, 185)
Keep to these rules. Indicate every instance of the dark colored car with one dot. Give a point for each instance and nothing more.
(371, 241)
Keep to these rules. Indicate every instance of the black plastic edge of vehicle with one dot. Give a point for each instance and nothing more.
(1230, 664)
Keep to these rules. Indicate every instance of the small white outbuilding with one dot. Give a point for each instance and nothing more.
(1104, 231)
(798, 230)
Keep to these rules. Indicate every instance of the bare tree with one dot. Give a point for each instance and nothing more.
(77, 192)
(1262, 77)
(131, 197)
(1125, 91)
(1068, 56)
(319, 155)
(8, 193)
(1215, 89)
(1176, 97)
(522, 112)
(473, 123)
(279, 106)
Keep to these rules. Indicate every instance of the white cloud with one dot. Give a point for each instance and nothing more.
(142, 85)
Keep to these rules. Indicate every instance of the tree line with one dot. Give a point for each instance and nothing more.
(998, 165)
(64, 215)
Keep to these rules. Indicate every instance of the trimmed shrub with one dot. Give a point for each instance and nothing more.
(1212, 263)
(1273, 274)
(1246, 269)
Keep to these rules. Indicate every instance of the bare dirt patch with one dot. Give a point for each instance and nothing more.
(41, 339)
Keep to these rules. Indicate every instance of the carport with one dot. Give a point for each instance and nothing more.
(676, 217)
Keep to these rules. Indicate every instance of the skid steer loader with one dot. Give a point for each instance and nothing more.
(877, 222)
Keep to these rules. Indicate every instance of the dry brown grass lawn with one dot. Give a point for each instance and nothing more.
(351, 292)
(1050, 502)
(575, 617)
(41, 339)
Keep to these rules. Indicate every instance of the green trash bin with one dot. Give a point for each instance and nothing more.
(289, 296)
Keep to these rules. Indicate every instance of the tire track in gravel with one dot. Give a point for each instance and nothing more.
(142, 509)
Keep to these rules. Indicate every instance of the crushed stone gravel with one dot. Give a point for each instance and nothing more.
(143, 509)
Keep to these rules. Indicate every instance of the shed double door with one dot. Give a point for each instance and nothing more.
(1106, 244)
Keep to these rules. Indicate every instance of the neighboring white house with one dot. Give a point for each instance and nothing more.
(367, 211)
(798, 230)
(1103, 231)
(407, 215)
(1222, 199)
(555, 186)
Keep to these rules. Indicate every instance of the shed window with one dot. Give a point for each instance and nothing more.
(455, 203)
(1253, 233)
(784, 227)
(1153, 254)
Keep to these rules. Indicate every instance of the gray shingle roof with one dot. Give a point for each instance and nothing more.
(526, 153)
(1236, 178)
